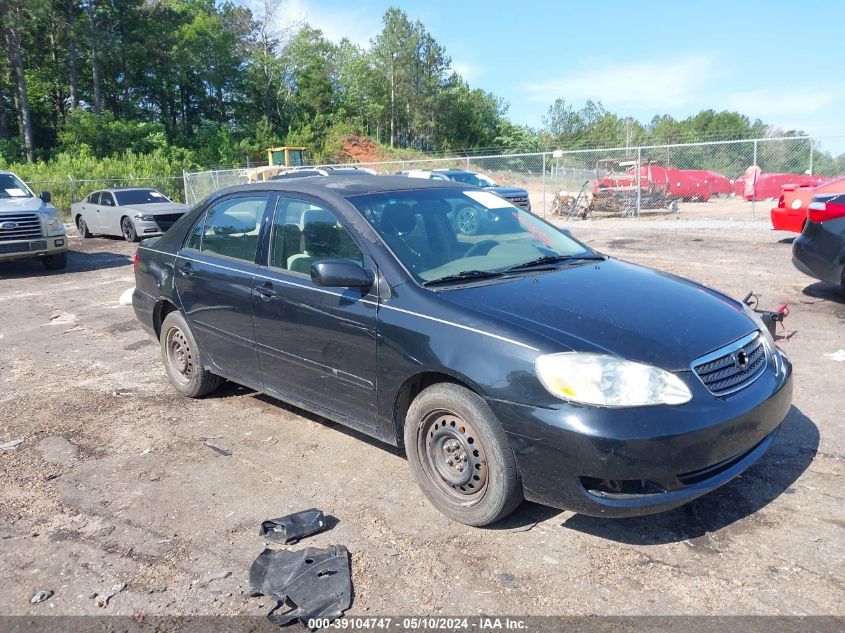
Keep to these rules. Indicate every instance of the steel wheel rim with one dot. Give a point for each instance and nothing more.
(128, 231)
(467, 221)
(80, 224)
(180, 357)
(452, 457)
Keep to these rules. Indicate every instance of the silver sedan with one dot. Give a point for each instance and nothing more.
(134, 213)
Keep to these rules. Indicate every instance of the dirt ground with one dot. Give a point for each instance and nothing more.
(115, 481)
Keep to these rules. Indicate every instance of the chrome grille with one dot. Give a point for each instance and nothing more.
(165, 220)
(19, 226)
(520, 201)
(732, 367)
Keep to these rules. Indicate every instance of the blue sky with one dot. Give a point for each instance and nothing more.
(776, 61)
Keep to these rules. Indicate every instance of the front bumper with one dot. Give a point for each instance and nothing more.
(36, 247)
(629, 462)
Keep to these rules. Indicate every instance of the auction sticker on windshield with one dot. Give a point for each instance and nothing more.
(488, 200)
(15, 192)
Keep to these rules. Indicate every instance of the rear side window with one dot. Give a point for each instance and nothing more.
(94, 198)
(230, 228)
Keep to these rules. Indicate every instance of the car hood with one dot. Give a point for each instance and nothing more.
(157, 208)
(508, 191)
(614, 307)
(20, 205)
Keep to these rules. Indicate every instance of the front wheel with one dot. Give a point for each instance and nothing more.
(460, 456)
(128, 230)
(183, 359)
(55, 262)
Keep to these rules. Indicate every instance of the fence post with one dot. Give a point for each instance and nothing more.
(639, 179)
(812, 145)
(72, 189)
(754, 189)
(467, 162)
(544, 184)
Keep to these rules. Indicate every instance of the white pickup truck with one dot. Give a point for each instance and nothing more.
(30, 226)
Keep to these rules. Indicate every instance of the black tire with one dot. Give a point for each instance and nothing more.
(183, 359)
(82, 227)
(55, 262)
(127, 227)
(449, 422)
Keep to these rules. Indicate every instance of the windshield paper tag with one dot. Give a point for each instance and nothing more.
(488, 200)
(16, 193)
(156, 194)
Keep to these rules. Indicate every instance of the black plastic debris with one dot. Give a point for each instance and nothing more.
(311, 583)
(291, 528)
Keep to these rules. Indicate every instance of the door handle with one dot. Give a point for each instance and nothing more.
(185, 268)
(266, 290)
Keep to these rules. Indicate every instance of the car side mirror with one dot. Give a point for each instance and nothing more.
(46, 197)
(341, 273)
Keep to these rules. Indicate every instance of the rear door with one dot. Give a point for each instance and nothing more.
(315, 344)
(109, 214)
(215, 273)
(90, 212)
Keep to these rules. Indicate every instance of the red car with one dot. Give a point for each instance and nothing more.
(790, 214)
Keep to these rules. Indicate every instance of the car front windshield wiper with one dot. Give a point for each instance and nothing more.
(464, 275)
(547, 260)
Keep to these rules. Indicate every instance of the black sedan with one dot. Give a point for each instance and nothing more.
(520, 364)
(820, 249)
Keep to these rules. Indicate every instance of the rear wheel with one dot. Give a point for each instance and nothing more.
(128, 230)
(460, 456)
(183, 359)
(82, 227)
(55, 262)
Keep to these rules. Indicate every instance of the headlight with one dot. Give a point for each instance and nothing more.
(145, 218)
(607, 381)
(54, 225)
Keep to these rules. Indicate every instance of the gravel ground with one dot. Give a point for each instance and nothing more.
(115, 481)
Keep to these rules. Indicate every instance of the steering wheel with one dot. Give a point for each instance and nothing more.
(477, 248)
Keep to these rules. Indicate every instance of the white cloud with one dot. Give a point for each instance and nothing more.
(647, 85)
(470, 72)
(358, 25)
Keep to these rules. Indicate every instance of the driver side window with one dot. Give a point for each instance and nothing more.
(304, 233)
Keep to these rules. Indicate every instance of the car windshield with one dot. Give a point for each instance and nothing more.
(444, 235)
(12, 187)
(477, 180)
(140, 196)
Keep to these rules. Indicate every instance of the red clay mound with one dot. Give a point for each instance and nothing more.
(358, 149)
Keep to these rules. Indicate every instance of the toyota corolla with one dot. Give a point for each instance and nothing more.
(514, 365)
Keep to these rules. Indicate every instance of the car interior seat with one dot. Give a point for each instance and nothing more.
(320, 240)
(397, 221)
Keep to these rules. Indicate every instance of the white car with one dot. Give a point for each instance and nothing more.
(134, 213)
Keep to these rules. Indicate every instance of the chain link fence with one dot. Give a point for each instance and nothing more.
(66, 192)
(738, 180)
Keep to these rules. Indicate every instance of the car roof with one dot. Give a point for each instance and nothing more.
(454, 171)
(345, 185)
(129, 189)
